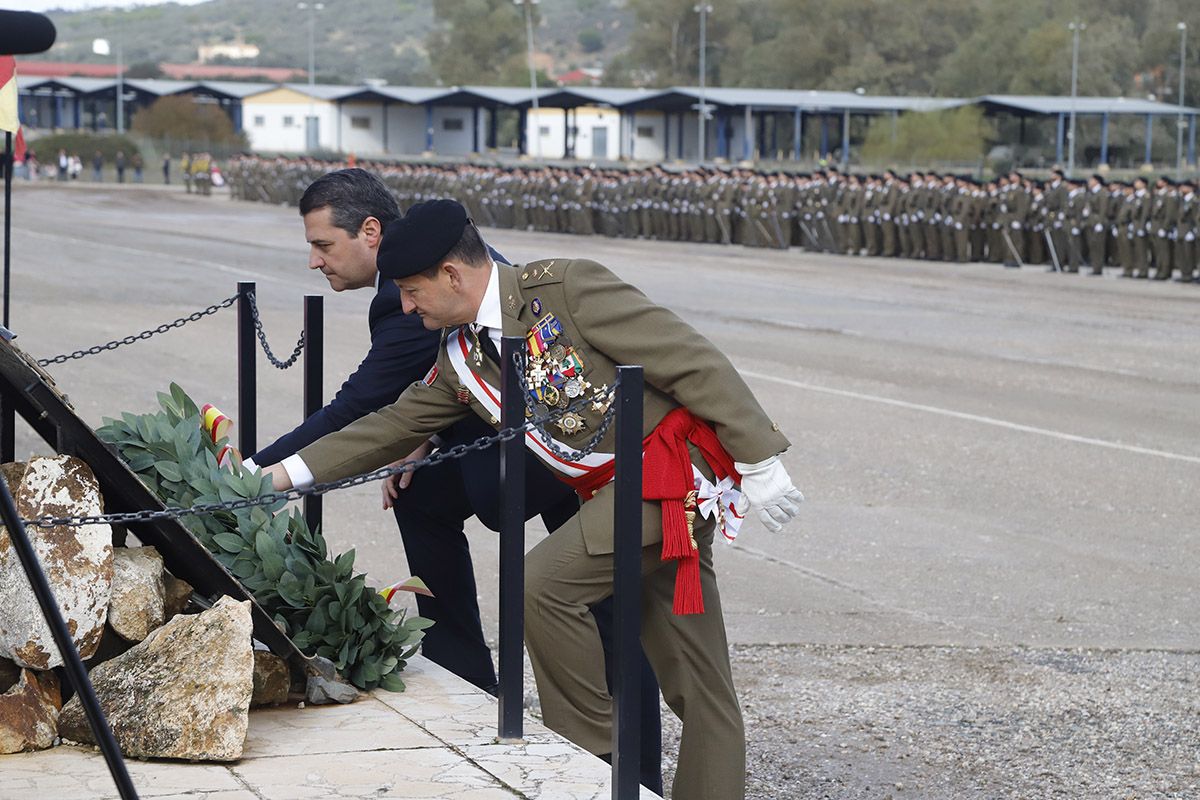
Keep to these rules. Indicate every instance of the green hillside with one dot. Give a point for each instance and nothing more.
(355, 39)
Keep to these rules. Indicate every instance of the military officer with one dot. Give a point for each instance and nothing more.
(1094, 220)
(1187, 223)
(580, 321)
(1164, 210)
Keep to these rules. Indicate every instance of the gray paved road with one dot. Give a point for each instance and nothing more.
(993, 459)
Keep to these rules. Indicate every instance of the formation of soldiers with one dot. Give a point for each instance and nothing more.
(1062, 223)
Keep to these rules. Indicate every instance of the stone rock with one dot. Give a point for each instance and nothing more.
(271, 679)
(29, 713)
(138, 598)
(182, 692)
(10, 673)
(178, 594)
(77, 562)
(324, 685)
(111, 645)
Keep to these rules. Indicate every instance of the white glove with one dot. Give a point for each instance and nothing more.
(1098, 228)
(767, 487)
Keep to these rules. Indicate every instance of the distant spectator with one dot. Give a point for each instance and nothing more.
(98, 167)
(120, 162)
(185, 166)
(64, 165)
(31, 164)
(137, 164)
(76, 166)
(166, 168)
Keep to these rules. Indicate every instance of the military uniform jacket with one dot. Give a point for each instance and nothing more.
(607, 322)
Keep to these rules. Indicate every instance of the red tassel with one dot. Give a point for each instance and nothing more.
(688, 597)
(676, 543)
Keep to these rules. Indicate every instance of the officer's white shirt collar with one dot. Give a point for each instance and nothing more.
(489, 313)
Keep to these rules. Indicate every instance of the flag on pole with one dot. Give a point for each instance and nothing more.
(9, 121)
(8, 94)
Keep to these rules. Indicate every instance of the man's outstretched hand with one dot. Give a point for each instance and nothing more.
(767, 487)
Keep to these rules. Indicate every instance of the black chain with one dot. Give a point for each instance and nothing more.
(262, 338)
(458, 451)
(146, 334)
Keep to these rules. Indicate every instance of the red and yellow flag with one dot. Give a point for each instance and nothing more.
(9, 121)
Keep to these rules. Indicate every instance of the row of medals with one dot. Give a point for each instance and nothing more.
(538, 373)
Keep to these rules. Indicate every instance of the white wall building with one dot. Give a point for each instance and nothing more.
(277, 121)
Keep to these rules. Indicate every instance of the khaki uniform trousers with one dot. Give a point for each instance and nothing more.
(690, 656)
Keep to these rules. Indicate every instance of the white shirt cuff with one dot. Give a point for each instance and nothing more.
(299, 473)
(250, 465)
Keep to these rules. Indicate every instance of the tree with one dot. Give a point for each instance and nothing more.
(181, 118)
(665, 42)
(144, 69)
(475, 39)
(591, 40)
(958, 135)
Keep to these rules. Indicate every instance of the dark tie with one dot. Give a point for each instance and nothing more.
(488, 346)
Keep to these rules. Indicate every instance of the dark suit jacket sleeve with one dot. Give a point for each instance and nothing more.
(402, 351)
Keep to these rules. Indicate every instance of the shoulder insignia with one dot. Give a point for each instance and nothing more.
(540, 273)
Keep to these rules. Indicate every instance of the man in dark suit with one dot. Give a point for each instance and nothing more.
(344, 213)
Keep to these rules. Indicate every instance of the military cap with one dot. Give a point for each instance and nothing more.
(420, 239)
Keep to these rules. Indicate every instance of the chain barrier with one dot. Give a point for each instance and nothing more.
(262, 337)
(146, 334)
(458, 451)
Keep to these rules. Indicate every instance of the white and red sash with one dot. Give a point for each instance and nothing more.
(715, 500)
(577, 466)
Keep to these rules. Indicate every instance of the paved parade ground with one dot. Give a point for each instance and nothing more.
(992, 590)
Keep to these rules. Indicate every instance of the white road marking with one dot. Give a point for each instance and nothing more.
(999, 423)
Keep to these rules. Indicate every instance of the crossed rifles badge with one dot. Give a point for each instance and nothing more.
(554, 373)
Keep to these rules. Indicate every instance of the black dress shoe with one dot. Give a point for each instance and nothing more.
(493, 689)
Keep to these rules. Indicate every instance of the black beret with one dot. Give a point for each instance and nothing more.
(421, 238)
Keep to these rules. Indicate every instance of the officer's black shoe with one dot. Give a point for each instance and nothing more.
(493, 689)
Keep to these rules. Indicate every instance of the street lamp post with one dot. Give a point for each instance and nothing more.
(310, 124)
(1179, 124)
(703, 9)
(1075, 28)
(101, 48)
(537, 134)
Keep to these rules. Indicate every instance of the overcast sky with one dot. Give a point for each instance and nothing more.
(75, 5)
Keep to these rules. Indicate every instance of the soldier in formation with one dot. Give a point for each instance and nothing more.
(1061, 223)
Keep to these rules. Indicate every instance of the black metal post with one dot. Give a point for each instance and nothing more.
(247, 379)
(72, 663)
(512, 545)
(314, 359)
(8, 415)
(8, 179)
(627, 586)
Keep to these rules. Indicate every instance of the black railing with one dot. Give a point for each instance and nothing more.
(626, 558)
(247, 418)
(314, 357)
(627, 585)
(512, 545)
